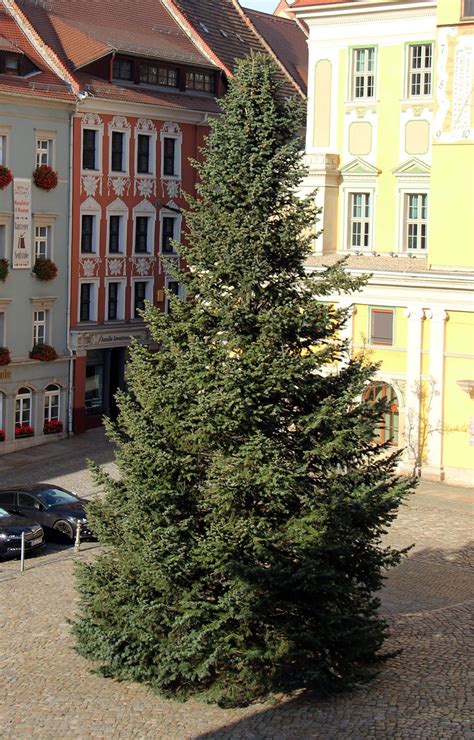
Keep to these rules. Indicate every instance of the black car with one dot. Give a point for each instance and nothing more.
(57, 510)
(11, 528)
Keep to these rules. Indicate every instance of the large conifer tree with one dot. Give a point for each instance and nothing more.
(243, 537)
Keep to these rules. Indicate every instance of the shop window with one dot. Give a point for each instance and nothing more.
(388, 428)
(51, 403)
(94, 399)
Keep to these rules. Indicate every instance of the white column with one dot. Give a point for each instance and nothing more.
(415, 317)
(438, 318)
(347, 332)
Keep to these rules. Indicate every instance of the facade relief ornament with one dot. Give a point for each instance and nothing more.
(145, 186)
(119, 122)
(171, 128)
(116, 266)
(90, 184)
(120, 185)
(143, 265)
(170, 188)
(89, 267)
(91, 119)
(146, 124)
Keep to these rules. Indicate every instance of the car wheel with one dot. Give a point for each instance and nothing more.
(66, 530)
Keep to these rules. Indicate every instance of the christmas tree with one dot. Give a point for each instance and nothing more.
(242, 540)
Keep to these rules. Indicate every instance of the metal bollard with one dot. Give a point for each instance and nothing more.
(77, 543)
(22, 553)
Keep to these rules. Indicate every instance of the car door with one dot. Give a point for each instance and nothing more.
(8, 501)
(30, 507)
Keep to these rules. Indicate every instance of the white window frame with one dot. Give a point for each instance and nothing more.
(94, 304)
(347, 233)
(180, 294)
(5, 145)
(90, 207)
(5, 244)
(148, 296)
(121, 298)
(47, 403)
(365, 75)
(410, 71)
(410, 185)
(171, 131)
(41, 221)
(48, 137)
(149, 131)
(22, 397)
(92, 121)
(39, 323)
(177, 218)
(418, 222)
(126, 151)
(118, 208)
(144, 209)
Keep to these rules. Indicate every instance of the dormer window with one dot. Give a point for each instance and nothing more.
(16, 65)
(202, 81)
(122, 69)
(153, 74)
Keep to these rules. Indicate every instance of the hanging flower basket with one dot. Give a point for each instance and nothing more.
(43, 352)
(24, 430)
(2, 435)
(5, 357)
(3, 269)
(5, 177)
(45, 269)
(45, 177)
(52, 427)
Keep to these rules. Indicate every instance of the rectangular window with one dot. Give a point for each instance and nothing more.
(94, 383)
(420, 68)
(359, 220)
(139, 297)
(143, 154)
(89, 149)
(51, 405)
(44, 152)
(39, 327)
(122, 69)
(152, 74)
(118, 141)
(141, 234)
(203, 81)
(113, 302)
(167, 234)
(115, 233)
(173, 287)
(42, 242)
(3, 151)
(87, 233)
(3, 240)
(363, 73)
(416, 222)
(381, 326)
(169, 156)
(468, 9)
(85, 308)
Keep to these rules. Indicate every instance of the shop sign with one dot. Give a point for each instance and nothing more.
(5, 374)
(22, 223)
(90, 339)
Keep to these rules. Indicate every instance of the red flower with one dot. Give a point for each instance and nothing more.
(5, 177)
(43, 352)
(2, 435)
(5, 357)
(52, 427)
(23, 430)
(45, 177)
(45, 269)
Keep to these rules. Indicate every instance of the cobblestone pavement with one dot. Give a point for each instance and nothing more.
(49, 692)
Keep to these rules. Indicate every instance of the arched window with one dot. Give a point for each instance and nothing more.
(23, 413)
(388, 429)
(51, 403)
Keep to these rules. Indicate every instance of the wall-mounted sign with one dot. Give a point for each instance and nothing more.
(5, 374)
(21, 258)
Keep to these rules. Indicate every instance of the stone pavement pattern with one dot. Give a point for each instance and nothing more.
(49, 692)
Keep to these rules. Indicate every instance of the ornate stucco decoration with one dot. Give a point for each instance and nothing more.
(119, 122)
(146, 125)
(120, 185)
(116, 266)
(90, 184)
(89, 266)
(91, 119)
(143, 265)
(145, 186)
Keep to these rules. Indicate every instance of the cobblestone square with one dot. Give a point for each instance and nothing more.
(48, 691)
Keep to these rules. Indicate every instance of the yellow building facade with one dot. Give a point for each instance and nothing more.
(390, 150)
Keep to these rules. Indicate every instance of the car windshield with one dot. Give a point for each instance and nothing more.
(54, 496)
(3, 513)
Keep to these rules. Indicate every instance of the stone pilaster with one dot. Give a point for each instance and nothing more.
(438, 318)
(415, 316)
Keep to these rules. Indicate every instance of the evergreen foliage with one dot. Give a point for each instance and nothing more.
(242, 539)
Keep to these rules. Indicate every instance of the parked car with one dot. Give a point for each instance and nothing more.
(58, 511)
(11, 528)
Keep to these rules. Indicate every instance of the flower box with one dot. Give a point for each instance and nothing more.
(2, 435)
(43, 352)
(23, 430)
(45, 269)
(52, 427)
(3, 269)
(45, 177)
(5, 177)
(5, 357)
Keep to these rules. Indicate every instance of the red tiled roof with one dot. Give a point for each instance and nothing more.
(287, 41)
(310, 3)
(224, 28)
(79, 31)
(45, 83)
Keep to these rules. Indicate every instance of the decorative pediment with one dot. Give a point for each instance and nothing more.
(412, 168)
(118, 206)
(359, 167)
(145, 207)
(89, 204)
